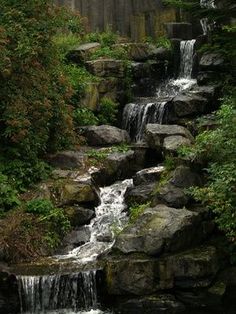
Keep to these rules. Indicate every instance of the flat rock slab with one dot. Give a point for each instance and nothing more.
(82, 52)
(156, 134)
(211, 61)
(148, 175)
(173, 143)
(105, 135)
(68, 160)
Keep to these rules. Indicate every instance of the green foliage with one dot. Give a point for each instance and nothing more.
(218, 147)
(136, 210)
(39, 206)
(108, 111)
(84, 116)
(8, 195)
(119, 53)
(106, 38)
(66, 41)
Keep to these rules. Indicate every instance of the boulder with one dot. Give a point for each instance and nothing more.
(156, 133)
(172, 143)
(190, 269)
(148, 175)
(9, 296)
(82, 53)
(105, 135)
(206, 77)
(211, 61)
(130, 276)
(161, 304)
(67, 160)
(78, 215)
(111, 87)
(140, 194)
(161, 229)
(187, 105)
(184, 177)
(106, 67)
(75, 239)
(171, 196)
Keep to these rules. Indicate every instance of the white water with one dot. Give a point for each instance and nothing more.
(206, 26)
(137, 115)
(110, 218)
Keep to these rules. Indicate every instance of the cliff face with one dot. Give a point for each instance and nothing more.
(133, 18)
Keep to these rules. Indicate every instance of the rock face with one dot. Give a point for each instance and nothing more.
(160, 229)
(9, 299)
(172, 143)
(105, 135)
(82, 53)
(179, 30)
(106, 67)
(157, 133)
(148, 175)
(78, 215)
(211, 61)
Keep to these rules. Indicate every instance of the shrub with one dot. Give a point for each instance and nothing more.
(108, 111)
(106, 38)
(8, 195)
(84, 116)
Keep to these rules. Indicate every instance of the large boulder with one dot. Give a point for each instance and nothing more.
(190, 269)
(78, 215)
(161, 229)
(67, 160)
(156, 134)
(172, 143)
(139, 194)
(9, 296)
(82, 53)
(211, 61)
(187, 105)
(148, 175)
(106, 67)
(105, 135)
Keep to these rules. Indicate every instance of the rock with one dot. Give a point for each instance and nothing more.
(72, 192)
(148, 175)
(105, 135)
(171, 196)
(79, 216)
(140, 69)
(140, 194)
(111, 87)
(161, 304)
(179, 30)
(161, 229)
(91, 97)
(184, 177)
(75, 238)
(9, 296)
(130, 276)
(156, 133)
(211, 61)
(173, 143)
(206, 91)
(106, 68)
(67, 160)
(190, 269)
(82, 53)
(186, 105)
(206, 77)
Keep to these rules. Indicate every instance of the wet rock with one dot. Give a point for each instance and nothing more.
(173, 143)
(190, 269)
(130, 276)
(187, 105)
(206, 77)
(184, 177)
(161, 304)
(159, 229)
(140, 194)
(79, 216)
(156, 133)
(67, 160)
(9, 299)
(105, 135)
(76, 238)
(106, 67)
(211, 61)
(140, 69)
(148, 175)
(111, 87)
(82, 53)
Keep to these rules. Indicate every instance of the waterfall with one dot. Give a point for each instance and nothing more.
(208, 4)
(137, 115)
(71, 292)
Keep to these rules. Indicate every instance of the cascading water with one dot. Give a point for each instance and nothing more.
(208, 4)
(137, 115)
(77, 292)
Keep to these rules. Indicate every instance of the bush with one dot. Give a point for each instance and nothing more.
(106, 38)
(84, 116)
(136, 210)
(108, 111)
(8, 195)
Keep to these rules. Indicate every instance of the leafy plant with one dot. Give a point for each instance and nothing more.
(8, 195)
(108, 111)
(106, 38)
(136, 210)
(84, 116)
